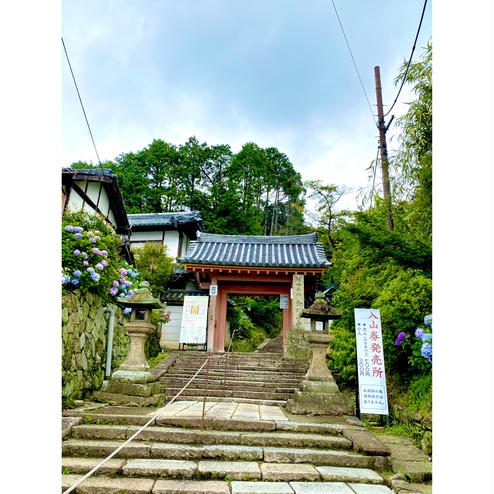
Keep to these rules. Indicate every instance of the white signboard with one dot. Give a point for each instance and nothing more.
(194, 320)
(283, 301)
(213, 290)
(370, 362)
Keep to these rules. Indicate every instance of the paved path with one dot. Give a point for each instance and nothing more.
(223, 410)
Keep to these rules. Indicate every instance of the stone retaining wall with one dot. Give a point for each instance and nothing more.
(84, 339)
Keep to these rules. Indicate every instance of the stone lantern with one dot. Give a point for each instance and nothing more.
(319, 394)
(132, 383)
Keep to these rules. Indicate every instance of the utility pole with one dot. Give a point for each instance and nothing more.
(383, 148)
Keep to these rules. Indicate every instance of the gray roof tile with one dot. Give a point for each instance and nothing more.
(289, 251)
(165, 219)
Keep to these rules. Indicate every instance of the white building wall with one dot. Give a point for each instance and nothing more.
(170, 332)
(171, 241)
(146, 236)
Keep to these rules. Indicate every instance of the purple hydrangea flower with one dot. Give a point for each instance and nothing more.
(99, 266)
(90, 233)
(127, 283)
(96, 250)
(113, 291)
(69, 228)
(91, 270)
(127, 310)
(77, 273)
(76, 252)
(104, 252)
(84, 254)
(162, 318)
(85, 263)
(78, 229)
(123, 271)
(97, 231)
(104, 263)
(419, 333)
(427, 337)
(129, 271)
(123, 288)
(78, 235)
(95, 276)
(134, 275)
(398, 342)
(402, 336)
(75, 282)
(97, 238)
(428, 320)
(131, 292)
(92, 239)
(115, 283)
(65, 278)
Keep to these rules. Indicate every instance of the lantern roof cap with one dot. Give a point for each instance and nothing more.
(321, 310)
(142, 298)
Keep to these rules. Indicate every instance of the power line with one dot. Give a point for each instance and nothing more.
(410, 60)
(78, 94)
(354, 64)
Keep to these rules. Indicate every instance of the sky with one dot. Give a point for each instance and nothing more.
(277, 73)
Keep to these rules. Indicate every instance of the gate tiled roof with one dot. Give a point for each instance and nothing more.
(289, 251)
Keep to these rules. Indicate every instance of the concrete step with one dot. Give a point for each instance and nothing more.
(97, 485)
(191, 436)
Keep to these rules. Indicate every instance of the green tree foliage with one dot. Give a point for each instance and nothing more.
(390, 270)
(155, 266)
(256, 191)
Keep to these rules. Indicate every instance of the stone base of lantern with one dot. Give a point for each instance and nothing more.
(130, 394)
(319, 398)
(320, 394)
(129, 400)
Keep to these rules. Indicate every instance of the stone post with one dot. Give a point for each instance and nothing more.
(295, 345)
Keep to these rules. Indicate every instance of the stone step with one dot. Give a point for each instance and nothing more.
(188, 436)
(236, 375)
(220, 470)
(232, 364)
(237, 393)
(236, 399)
(169, 451)
(97, 485)
(220, 383)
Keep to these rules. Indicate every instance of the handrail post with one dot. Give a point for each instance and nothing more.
(205, 390)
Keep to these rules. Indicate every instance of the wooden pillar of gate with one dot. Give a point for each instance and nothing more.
(212, 315)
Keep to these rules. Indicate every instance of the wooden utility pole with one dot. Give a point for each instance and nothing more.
(383, 148)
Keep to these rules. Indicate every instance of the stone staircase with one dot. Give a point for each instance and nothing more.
(260, 378)
(241, 449)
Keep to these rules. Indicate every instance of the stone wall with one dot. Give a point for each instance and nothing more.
(84, 339)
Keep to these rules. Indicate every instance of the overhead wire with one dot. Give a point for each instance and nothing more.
(409, 60)
(80, 99)
(354, 63)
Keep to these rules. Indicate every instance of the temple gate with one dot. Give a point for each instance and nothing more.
(257, 265)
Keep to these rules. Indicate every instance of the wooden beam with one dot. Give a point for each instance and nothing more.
(90, 202)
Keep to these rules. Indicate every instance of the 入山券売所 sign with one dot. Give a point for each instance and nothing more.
(370, 362)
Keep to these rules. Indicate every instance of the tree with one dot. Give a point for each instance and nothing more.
(154, 266)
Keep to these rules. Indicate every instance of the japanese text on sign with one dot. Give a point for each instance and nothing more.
(370, 362)
(194, 320)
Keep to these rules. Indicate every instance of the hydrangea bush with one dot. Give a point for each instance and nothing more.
(420, 346)
(91, 260)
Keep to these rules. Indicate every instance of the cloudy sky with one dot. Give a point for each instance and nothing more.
(274, 72)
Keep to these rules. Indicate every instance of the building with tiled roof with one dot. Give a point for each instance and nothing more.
(289, 251)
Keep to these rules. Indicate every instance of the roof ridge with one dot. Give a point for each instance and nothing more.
(308, 238)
